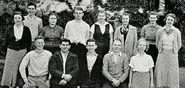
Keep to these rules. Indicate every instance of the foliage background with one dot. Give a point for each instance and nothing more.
(7, 7)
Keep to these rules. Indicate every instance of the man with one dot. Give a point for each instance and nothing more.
(37, 63)
(115, 67)
(33, 22)
(90, 67)
(128, 36)
(63, 67)
(149, 32)
(77, 31)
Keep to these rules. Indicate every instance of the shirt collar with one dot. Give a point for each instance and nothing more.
(103, 24)
(151, 25)
(95, 54)
(139, 55)
(28, 17)
(120, 54)
(21, 27)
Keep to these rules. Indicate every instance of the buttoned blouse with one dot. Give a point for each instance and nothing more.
(52, 35)
(141, 63)
(18, 32)
(149, 32)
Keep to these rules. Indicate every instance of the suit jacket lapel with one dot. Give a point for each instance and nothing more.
(61, 59)
(68, 56)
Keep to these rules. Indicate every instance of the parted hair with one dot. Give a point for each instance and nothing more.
(39, 37)
(90, 40)
(171, 15)
(18, 13)
(65, 40)
(140, 40)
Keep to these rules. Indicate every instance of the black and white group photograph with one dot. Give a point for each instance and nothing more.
(92, 43)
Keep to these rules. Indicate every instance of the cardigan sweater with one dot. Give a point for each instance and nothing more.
(95, 74)
(23, 43)
(177, 39)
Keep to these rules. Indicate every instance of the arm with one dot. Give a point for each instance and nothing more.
(53, 67)
(61, 32)
(91, 32)
(130, 77)
(135, 42)
(151, 78)
(66, 30)
(28, 39)
(179, 41)
(40, 27)
(111, 36)
(22, 67)
(87, 33)
(126, 69)
(105, 68)
(142, 34)
(158, 37)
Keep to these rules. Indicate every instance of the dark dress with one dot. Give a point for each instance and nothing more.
(102, 40)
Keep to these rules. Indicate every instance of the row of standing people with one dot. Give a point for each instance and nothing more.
(168, 40)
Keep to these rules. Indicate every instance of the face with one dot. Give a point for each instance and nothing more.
(125, 19)
(65, 47)
(17, 19)
(101, 16)
(153, 18)
(52, 19)
(91, 46)
(170, 20)
(39, 43)
(31, 10)
(78, 14)
(116, 46)
(141, 46)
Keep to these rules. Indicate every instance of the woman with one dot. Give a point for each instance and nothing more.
(168, 42)
(17, 42)
(102, 32)
(52, 33)
(149, 32)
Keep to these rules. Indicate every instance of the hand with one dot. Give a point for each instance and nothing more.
(151, 85)
(26, 85)
(67, 77)
(47, 84)
(115, 82)
(129, 85)
(63, 82)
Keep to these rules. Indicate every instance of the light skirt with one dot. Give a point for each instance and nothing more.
(141, 80)
(167, 69)
(11, 67)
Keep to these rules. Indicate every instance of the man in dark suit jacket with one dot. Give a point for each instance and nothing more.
(90, 65)
(63, 67)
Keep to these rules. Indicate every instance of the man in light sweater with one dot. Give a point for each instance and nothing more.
(77, 31)
(37, 62)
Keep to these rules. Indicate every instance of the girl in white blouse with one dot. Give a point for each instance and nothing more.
(141, 72)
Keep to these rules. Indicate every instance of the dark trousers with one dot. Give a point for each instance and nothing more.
(60, 86)
(78, 49)
(153, 51)
(90, 85)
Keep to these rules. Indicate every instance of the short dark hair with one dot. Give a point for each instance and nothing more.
(90, 40)
(126, 14)
(53, 13)
(152, 13)
(32, 3)
(171, 15)
(18, 13)
(65, 40)
(78, 8)
(39, 37)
